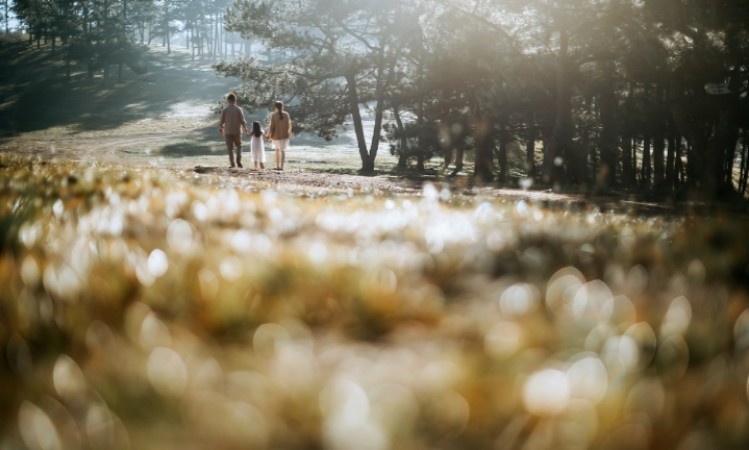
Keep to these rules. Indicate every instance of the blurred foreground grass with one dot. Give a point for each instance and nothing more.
(144, 310)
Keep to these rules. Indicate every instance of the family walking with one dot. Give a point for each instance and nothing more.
(233, 124)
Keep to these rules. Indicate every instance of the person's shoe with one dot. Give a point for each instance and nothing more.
(240, 165)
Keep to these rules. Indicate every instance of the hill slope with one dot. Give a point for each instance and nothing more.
(37, 95)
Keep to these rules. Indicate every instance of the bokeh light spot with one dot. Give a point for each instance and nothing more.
(179, 235)
(589, 300)
(678, 317)
(68, 379)
(547, 392)
(741, 331)
(346, 409)
(519, 299)
(37, 430)
(621, 353)
(167, 372)
(158, 263)
(100, 426)
(588, 379)
(268, 338)
(503, 339)
(561, 289)
(154, 332)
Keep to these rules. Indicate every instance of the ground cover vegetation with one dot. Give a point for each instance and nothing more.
(148, 308)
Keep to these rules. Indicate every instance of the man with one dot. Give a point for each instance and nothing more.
(231, 126)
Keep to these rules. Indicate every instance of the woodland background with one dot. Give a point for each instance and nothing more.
(627, 95)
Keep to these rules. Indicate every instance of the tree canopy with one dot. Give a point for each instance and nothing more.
(592, 95)
(328, 61)
(583, 94)
(101, 34)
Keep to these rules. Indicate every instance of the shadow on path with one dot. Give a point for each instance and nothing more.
(188, 149)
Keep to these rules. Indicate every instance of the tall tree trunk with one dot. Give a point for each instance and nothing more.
(744, 172)
(607, 172)
(403, 154)
(670, 168)
(420, 160)
(530, 157)
(731, 132)
(216, 36)
(379, 111)
(695, 141)
(659, 147)
(353, 97)
(502, 156)
(122, 44)
(483, 138)
(679, 172)
(88, 42)
(192, 43)
(559, 147)
(530, 146)
(167, 31)
(693, 162)
(447, 150)
(659, 142)
(627, 163)
(460, 150)
(647, 167)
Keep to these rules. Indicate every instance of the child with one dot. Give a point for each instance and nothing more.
(257, 145)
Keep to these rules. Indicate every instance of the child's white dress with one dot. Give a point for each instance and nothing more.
(257, 147)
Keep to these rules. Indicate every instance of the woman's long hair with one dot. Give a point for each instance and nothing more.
(279, 107)
(256, 130)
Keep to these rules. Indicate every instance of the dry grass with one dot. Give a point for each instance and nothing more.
(154, 309)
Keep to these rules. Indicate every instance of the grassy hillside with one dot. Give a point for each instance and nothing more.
(36, 93)
(163, 117)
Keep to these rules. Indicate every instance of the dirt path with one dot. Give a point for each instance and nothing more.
(311, 171)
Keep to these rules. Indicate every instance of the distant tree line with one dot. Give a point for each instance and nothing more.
(5, 12)
(102, 35)
(640, 95)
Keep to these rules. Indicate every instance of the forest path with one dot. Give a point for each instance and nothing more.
(166, 116)
(166, 119)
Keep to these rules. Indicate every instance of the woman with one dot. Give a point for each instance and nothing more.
(279, 131)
